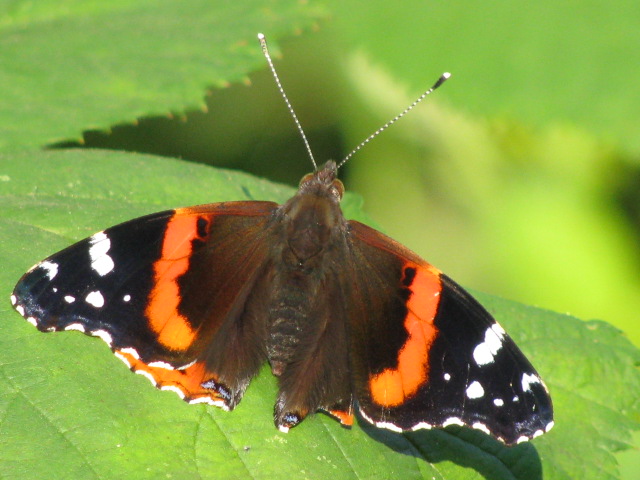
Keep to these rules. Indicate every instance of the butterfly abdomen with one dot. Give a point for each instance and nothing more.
(306, 339)
(288, 321)
(306, 346)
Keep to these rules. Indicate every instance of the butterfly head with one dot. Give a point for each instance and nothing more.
(323, 182)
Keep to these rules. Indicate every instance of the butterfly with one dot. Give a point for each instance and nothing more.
(198, 299)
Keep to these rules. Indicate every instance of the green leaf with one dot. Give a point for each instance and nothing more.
(69, 409)
(75, 65)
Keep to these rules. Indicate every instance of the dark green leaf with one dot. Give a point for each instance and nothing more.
(72, 66)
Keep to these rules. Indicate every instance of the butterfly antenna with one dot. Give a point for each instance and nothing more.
(443, 78)
(265, 51)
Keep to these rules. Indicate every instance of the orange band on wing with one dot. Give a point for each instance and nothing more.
(392, 386)
(173, 329)
(345, 418)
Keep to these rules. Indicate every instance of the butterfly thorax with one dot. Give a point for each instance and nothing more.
(311, 219)
(311, 226)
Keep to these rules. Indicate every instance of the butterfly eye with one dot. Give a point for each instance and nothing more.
(338, 188)
(306, 179)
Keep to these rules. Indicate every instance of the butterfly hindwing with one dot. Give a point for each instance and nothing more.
(429, 355)
(158, 289)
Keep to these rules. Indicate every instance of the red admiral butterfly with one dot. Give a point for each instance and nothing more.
(197, 299)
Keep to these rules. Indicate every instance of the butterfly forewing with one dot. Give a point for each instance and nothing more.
(81, 288)
(157, 289)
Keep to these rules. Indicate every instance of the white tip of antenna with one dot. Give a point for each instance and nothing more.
(443, 78)
(261, 36)
(445, 74)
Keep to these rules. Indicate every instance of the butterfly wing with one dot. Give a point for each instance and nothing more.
(425, 354)
(160, 290)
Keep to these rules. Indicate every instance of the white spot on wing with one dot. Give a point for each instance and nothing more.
(123, 358)
(102, 265)
(482, 427)
(421, 426)
(485, 352)
(537, 433)
(174, 389)
(447, 377)
(104, 335)
(366, 417)
(529, 379)
(159, 364)
(549, 426)
(498, 402)
(126, 298)
(100, 261)
(475, 390)
(20, 309)
(202, 400)
(499, 331)
(95, 298)
(144, 373)
(184, 367)
(522, 439)
(388, 426)
(75, 326)
(283, 429)
(50, 267)
(210, 401)
(69, 299)
(32, 321)
(13, 300)
(131, 351)
(452, 421)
